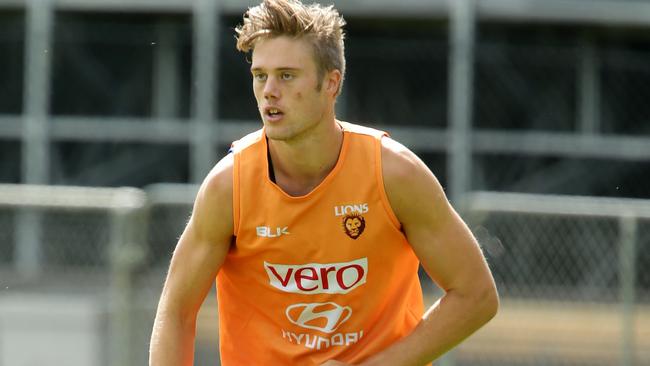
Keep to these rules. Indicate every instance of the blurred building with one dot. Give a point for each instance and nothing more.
(527, 96)
(116, 90)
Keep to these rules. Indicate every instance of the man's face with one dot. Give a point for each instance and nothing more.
(285, 81)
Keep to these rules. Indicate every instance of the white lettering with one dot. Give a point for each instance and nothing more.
(266, 232)
(321, 341)
(313, 341)
(297, 337)
(351, 338)
(261, 231)
(337, 339)
(311, 345)
(342, 210)
(318, 278)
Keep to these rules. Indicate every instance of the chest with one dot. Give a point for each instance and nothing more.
(344, 226)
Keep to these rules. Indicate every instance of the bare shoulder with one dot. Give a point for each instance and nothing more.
(397, 160)
(411, 187)
(213, 206)
(219, 181)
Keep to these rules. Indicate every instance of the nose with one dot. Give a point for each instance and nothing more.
(271, 89)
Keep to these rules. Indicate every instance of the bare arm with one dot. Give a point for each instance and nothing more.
(199, 254)
(448, 252)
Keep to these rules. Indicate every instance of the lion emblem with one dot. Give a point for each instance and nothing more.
(353, 225)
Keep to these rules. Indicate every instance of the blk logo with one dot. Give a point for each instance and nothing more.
(326, 317)
(268, 232)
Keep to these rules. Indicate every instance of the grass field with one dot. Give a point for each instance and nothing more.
(528, 332)
(576, 333)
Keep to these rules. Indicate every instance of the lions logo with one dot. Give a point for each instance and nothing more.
(353, 225)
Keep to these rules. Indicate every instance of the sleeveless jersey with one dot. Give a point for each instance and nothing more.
(327, 275)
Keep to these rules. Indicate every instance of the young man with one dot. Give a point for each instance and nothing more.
(314, 228)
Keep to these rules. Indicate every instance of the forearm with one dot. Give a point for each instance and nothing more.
(445, 324)
(172, 341)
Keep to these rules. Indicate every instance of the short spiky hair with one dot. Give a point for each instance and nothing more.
(321, 26)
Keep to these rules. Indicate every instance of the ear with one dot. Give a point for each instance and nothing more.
(332, 82)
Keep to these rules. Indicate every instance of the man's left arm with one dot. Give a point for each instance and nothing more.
(448, 252)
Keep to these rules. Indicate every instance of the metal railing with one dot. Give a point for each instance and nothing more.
(35, 212)
(569, 269)
(582, 250)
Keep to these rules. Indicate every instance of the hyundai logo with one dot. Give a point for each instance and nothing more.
(323, 316)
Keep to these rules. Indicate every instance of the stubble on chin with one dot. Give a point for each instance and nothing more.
(278, 133)
(290, 133)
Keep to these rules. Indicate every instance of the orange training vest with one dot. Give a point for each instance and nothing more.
(328, 275)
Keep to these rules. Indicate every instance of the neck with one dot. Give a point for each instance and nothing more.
(302, 163)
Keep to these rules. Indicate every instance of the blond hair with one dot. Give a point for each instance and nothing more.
(321, 26)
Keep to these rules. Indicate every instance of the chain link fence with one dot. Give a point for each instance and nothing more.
(39, 241)
(570, 273)
(67, 280)
(573, 293)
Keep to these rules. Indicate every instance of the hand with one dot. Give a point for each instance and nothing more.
(335, 363)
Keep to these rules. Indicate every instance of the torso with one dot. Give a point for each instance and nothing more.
(327, 274)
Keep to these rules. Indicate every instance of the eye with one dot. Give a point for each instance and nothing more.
(259, 77)
(286, 76)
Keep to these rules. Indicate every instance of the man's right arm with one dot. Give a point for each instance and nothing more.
(199, 254)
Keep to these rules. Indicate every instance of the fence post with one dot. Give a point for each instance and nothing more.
(35, 136)
(206, 27)
(461, 79)
(127, 252)
(627, 267)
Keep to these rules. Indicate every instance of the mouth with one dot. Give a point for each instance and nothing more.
(273, 113)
